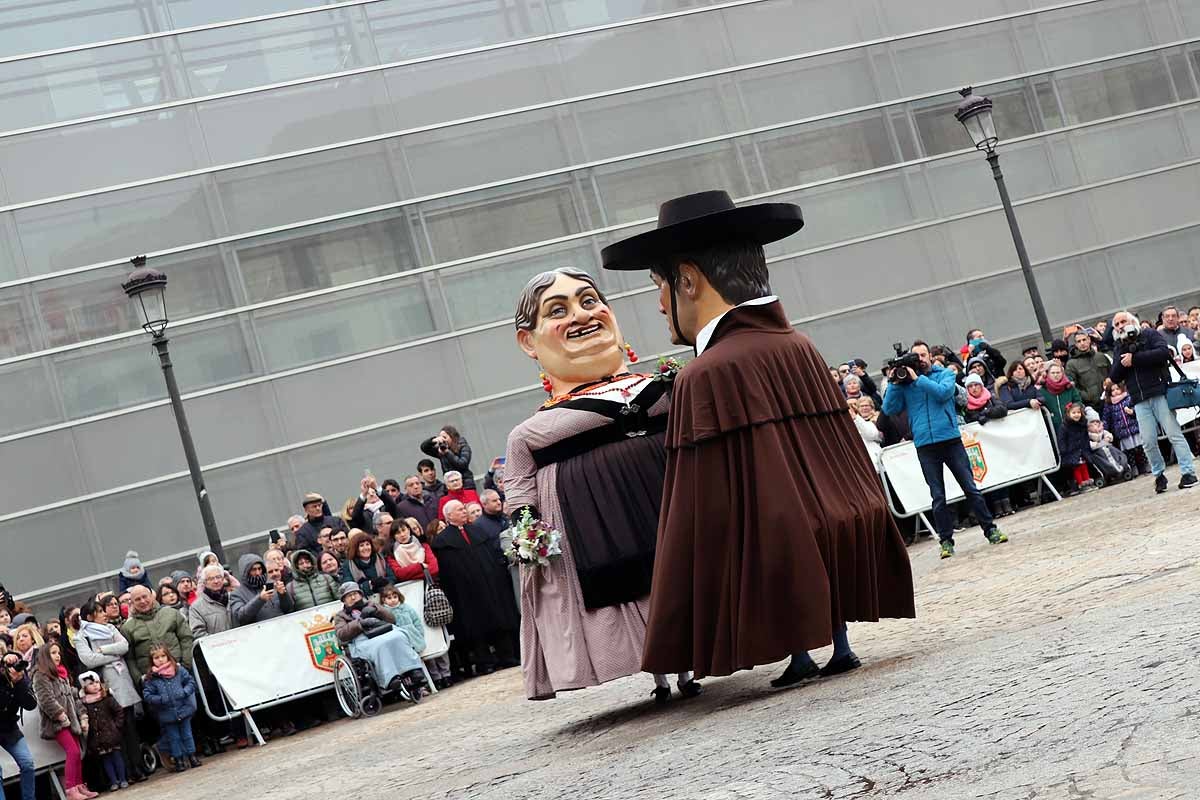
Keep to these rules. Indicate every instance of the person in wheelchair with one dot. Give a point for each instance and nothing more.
(368, 632)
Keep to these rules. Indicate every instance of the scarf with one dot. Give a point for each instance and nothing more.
(62, 671)
(221, 596)
(256, 581)
(95, 630)
(363, 566)
(165, 671)
(1117, 398)
(411, 553)
(1057, 387)
(1023, 384)
(976, 403)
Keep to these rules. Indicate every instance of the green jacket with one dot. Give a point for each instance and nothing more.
(1088, 371)
(162, 624)
(1057, 404)
(313, 590)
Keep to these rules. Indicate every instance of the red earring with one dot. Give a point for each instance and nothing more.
(629, 352)
(546, 387)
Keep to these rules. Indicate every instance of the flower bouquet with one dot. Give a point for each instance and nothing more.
(531, 541)
(667, 369)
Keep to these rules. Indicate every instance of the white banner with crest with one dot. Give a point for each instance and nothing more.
(1002, 452)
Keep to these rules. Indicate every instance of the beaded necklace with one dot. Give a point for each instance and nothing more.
(595, 388)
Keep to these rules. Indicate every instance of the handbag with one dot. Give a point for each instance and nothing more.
(1183, 393)
(438, 611)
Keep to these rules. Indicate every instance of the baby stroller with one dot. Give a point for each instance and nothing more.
(1109, 465)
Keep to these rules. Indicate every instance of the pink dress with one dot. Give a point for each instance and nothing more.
(593, 468)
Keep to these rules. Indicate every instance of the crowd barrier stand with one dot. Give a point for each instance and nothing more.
(287, 658)
(47, 755)
(1019, 447)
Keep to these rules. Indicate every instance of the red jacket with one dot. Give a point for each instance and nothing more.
(464, 496)
(413, 572)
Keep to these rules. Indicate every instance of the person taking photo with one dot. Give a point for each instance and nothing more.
(927, 394)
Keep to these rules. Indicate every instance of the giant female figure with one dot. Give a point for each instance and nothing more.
(589, 462)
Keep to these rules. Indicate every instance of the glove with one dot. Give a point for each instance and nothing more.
(370, 610)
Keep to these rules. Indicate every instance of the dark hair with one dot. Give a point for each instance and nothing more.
(453, 432)
(391, 482)
(390, 588)
(736, 270)
(358, 538)
(1193, 308)
(530, 299)
(156, 647)
(425, 462)
(88, 609)
(920, 343)
(431, 529)
(398, 525)
(973, 330)
(1165, 310)
(167, 587)
(1013, 368)
(45, 664)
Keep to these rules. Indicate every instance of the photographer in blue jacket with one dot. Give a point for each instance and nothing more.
(926, 391)
(1141, 358)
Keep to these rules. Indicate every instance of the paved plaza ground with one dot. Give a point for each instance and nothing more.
(1060, 665)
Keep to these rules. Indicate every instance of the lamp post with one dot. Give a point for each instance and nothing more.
(147, 287)
(975, 114)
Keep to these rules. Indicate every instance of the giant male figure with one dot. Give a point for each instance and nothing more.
(774, 531)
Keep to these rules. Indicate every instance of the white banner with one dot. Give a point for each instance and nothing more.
(1001, 452)
(289, 655)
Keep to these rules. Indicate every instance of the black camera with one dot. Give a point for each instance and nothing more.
(897, 368)
(17, 665)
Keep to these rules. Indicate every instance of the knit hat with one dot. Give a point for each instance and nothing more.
(203, 555)
(973, 378)
(1059, 344)
(348, 587)
(131, 560)
(1090, 414)
(88, 676)
(179, 575)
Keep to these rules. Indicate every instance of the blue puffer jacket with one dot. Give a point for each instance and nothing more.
(171, 699)
(929, 401)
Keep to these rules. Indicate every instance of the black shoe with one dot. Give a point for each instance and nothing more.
(193, 761)
(206, 747)
(1160, 483)
(839, 665)
(661, 695)
(179, 766)
(794, 674)
(1187, 481)
(486, 669)
(690, 689)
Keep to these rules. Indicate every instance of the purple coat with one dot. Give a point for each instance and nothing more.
(1117, 422)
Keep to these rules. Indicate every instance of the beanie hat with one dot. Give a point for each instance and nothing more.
(973, 378)
(347, 588)
(1090, 414)
(179, 575)
(88, 676)
(131, 560)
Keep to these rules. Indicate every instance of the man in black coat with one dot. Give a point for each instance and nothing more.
(415, 502)
(1142, 360)
(15, 696)
(474, 576)
(316, 517)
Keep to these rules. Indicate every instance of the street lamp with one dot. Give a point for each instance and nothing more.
(147, 287)
(975, 114)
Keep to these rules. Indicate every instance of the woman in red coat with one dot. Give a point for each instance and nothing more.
(409, 557)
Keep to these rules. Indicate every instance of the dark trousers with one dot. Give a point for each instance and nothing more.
(953, 456)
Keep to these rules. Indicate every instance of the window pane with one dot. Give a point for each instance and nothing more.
(103, 379)
(33, 549)
(1096, 30)
(120, 224)
(325, 328)
(72, 85)
(226, 59)
(31, 405)
(541, 210)
(1013, 111)
(633, 190)
(570, 14)
(322, 256)
(826, 149)
(800, 89)
(93, 304)
(36, 471)
(631, 123)
(1091, 93)
(404, 30)
(51, 24)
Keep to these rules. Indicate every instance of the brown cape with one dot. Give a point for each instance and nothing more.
(773, 524)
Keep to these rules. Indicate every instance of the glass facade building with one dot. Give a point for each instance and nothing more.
(347, 198)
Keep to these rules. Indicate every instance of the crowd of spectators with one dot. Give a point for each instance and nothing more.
(1103, 386)
(117, 671)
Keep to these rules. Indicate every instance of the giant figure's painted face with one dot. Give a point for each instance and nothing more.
(575, 337)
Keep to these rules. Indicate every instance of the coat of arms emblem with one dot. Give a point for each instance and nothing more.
(979, 467)
(323, 646)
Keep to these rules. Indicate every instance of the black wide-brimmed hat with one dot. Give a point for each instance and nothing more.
(698, 220)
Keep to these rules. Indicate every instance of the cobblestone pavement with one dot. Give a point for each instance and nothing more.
(1060, 665)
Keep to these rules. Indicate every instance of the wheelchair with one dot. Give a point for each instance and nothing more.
(358, 692)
